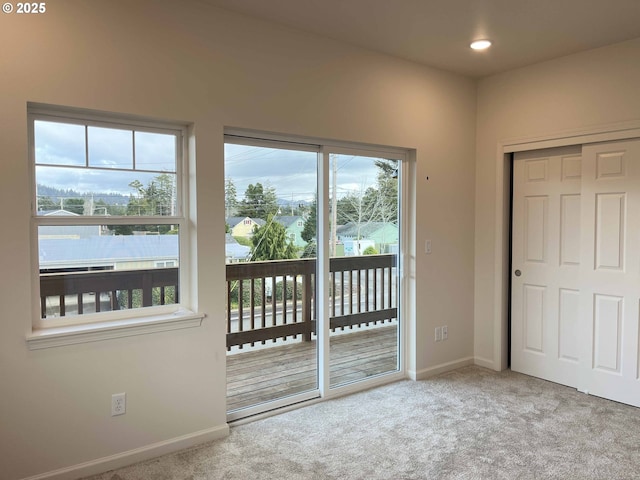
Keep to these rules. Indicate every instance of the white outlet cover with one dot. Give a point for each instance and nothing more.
(118, 404)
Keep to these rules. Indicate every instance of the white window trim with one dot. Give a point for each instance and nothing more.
(106, 325)
(91, 332)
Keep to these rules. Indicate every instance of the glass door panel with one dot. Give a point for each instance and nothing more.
(364, 244)
(270, 202)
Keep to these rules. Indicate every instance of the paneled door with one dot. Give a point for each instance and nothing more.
(575, 301)
(545, 264)
(610, 277)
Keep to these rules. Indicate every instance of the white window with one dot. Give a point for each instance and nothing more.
(166, 264)
(107, 212)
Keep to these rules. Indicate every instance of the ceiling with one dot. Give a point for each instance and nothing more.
(438, 32)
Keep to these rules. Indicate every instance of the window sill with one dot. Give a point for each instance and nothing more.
(75, 334)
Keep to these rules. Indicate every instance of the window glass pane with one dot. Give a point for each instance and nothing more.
(364, 244)
(110, 148)
(59, 143)
(155, 151)
(270, 194)
(97, 268)
(86, 191)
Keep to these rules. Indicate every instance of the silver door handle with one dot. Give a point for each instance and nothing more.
(518, 273)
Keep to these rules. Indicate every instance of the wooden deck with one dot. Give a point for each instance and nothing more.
(266, 374)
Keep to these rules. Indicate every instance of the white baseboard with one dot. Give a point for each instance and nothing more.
(438, 369)
(484, 362)
(136, 455)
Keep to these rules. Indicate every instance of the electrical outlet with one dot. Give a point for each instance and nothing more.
(118, 404)
(445, 332)
(438, 334)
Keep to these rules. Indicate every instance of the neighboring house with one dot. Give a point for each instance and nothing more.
(59, 231)
(121, 252)
(293, 224)
(243, 226)
(383, 234)
(117, 252)
(234, 252)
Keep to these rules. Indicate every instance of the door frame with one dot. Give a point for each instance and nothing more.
(502, 244)
(406, 265)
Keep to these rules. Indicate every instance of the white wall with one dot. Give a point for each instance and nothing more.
(580, 92)
(190, 62)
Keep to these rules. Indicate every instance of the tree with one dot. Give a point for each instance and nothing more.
(270, 242)
(74, 205)
(230, 198)
(258, 202)
(387, 167)
(308, 233)
(45, 203)
(358, 208)
(377, 203)
(387, 191)
(310, 250)
(100, 207)
(157, 198)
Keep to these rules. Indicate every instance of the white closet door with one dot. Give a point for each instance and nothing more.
(610, 272)
(546, 237)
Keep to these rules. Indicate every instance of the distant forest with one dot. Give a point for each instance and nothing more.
(56, 194)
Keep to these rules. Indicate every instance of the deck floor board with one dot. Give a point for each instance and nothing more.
(265, 374)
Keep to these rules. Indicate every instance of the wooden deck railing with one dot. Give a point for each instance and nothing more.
(260, 308)
(265, 300)
(125, 289)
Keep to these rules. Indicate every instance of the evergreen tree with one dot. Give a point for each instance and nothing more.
(258, 202)
(310, 225)
(230, 198)
(157, 198)
(387, 191)
(310, 250)
(74, 205)
(45, 203)
(154, 199)
(270, 242)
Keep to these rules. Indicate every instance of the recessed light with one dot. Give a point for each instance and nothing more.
(480, 44)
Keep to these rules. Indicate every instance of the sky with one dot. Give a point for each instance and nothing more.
(101, 160)
(293, 173)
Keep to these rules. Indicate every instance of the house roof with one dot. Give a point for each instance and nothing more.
(351, 229)
(99, 250)
(56, 213)
(235, 250)
(287, 220)
(110, 249)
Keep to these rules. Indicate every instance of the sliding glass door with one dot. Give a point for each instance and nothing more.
(313, 255)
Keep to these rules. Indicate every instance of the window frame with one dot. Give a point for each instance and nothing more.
(138, 316)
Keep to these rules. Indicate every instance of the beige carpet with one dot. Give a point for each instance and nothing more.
(468, 424)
